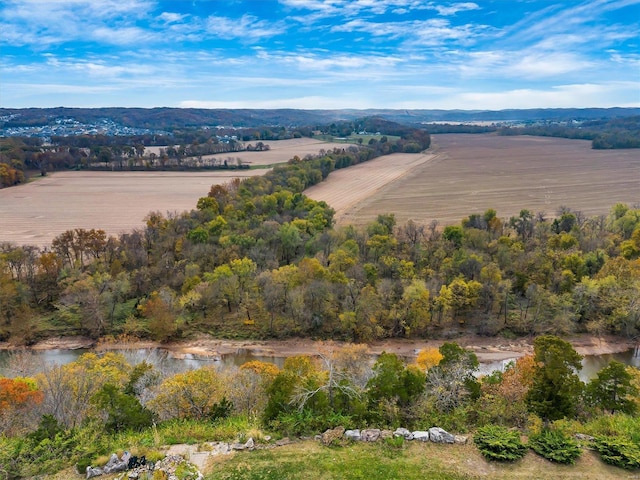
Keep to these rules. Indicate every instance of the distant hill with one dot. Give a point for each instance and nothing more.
(178, 118)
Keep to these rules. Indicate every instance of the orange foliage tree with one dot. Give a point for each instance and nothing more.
(18, 399)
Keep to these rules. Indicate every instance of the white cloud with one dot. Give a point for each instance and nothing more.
(247, 27)
(613, 94)
(169, 17)
(418, 32)
(308, 102)
(547, 65)
(447, 10)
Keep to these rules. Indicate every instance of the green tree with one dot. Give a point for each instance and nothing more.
(612, 389)
(556, 388)
(123, 411)
(392, 388)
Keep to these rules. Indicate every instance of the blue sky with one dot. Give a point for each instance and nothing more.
(320, 54)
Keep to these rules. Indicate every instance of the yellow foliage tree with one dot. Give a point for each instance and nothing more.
(192, 394)
(427, 358)
(68, 388)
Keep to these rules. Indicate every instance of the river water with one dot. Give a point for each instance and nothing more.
(37, 359)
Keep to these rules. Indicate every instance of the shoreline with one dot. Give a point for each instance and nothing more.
(487, 349)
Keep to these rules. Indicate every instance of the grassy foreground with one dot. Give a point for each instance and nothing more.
(310, 461)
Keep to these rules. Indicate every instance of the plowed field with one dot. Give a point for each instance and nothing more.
(35, 213)
(116, 202)
(280, 151)
(471, 173)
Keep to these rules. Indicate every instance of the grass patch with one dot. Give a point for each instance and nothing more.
(310, 460)
(416, 460)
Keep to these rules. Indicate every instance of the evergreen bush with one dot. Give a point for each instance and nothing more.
(555, 446)
(497, 443)
(618, 452)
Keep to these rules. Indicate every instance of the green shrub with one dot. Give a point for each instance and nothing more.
(555, 446)
(618, 452)
(298, 423)
(498, 443)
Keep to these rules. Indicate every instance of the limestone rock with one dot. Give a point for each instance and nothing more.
(332, 435)
(352, 435)
(237, 446)
(250, 445)
(384, 434)
(461, 439)
(370, 435)
(403, 432)
(439, 435)
(94, 472)
(584, 438)
(283, 441)
(420, 435)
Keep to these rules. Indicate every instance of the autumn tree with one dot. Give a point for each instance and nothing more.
(503, 395)
(345, 372)
(392, 388)
(249, 385)
(427, 358)
(452, 382)
(68, 389)
(19, 399)
(194, 394)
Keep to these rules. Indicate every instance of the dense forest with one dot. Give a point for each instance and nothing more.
(256, 258)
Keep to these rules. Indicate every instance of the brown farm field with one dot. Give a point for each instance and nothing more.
(280, 151)
(471, 173)
(35, 213)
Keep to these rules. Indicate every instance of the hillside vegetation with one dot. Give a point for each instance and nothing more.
(258, 259)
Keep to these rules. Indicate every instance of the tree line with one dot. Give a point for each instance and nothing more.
(604, 134)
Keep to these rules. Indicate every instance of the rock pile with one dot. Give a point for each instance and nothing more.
(435, 435)
(139, 469)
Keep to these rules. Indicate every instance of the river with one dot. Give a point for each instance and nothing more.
(163, 359)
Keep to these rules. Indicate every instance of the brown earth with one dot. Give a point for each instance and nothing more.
(349, 187)
(35, 213)
(472, 173)
(488, 349)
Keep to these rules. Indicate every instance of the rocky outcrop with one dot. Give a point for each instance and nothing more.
(133, 468)
(403, 432)
(353, 435)
(439, 435)
(461, 439)
(332, 436)
(370, 435)
(434, 434)
(165, 468)
(421, 435)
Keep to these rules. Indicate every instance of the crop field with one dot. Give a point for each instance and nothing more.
(35, 213)
(348, 188)
(471, 173)
(280, 151)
